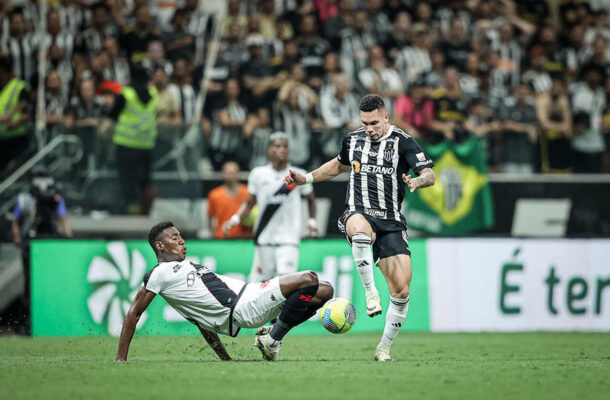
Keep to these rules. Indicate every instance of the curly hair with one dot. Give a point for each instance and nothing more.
(155, 231)
(371, 102)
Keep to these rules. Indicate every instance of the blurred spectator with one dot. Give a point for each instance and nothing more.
(56, 102)
(312, 48)
(57, 62)
(55, 35)
(117, 69)
(399, 37)
(472, 78)
(39, 213)
(381, 25)
(269, 21)
(183, 91)
(600, 56)
(449, 12)
(168, 108)
(233, 53)
(232, 128)
(293, 115)
(85, 109)
(331, 67)
(72, 16)
(135, 136)
(555, 120)
(178, 42)
(339, 110)
(156, 59)
(450, 106)
(456, 45)
(15, 114)
(576, 53)
(224, 201)
(257, 74)
(336, 24)
(537, 77)
(434, 78)
(378, 78)
(588, 104)
(519, 132)
(18, 44)
(509, 47)
(414, 113)
(103, 85)
(136, 39)
(89, 42)
(234, 17)
(414, 61)
(355, 40)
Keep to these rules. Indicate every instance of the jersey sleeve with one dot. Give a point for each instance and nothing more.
(211, 203)
(253, 182)
(152, 281)
(343, 156)
(414, 155)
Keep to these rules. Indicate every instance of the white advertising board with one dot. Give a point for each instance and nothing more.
(519, 285)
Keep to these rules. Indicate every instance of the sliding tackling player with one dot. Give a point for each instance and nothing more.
(219, 304)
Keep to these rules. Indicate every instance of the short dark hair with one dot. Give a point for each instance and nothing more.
(155, 231)
(371, 102)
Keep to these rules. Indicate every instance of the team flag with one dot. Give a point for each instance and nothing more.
(460, 202)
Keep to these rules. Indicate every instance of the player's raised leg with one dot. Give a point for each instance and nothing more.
(361, 235)
(304, 294)
(397, 272)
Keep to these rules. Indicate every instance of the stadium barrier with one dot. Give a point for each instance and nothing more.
(84, 287)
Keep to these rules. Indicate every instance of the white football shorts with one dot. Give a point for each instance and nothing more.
(259, 304)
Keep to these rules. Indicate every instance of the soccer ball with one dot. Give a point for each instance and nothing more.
(338, 315)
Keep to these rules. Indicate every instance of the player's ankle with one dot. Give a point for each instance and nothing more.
(272, 343)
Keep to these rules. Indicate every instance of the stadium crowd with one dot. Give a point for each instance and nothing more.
(531, 78)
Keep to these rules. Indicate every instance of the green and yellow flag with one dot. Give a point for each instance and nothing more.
(460, 202)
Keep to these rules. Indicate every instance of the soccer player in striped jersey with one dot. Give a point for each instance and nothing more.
(220, 304)
(378, 157)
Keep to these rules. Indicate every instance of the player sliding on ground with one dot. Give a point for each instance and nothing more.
(378, 156)
(219, 304)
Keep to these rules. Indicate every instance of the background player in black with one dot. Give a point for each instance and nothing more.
(377, 155)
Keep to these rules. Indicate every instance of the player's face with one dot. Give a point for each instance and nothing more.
(171, 244)
(374, 123)
(278, 151)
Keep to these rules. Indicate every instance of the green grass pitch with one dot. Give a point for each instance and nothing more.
(426, 366)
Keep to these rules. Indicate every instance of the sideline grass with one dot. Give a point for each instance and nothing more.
(426, 366)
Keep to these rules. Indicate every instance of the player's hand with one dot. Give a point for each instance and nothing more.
(312, 227)
(294, 178)
(411, 182)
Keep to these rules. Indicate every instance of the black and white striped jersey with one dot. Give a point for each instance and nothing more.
(375, 184)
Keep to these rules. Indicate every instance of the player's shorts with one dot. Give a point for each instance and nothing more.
(270, 261)
(390, 236)
(259, 304)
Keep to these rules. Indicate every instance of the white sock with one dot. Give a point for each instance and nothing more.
(394, 318)
(363, 258)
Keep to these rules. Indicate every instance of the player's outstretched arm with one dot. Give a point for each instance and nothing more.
(139, 305)
(216, 344)
(426, 178)
(327, 171)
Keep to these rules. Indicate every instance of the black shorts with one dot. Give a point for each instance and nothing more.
(390, 236)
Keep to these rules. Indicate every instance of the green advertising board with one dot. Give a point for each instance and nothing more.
(85, 287)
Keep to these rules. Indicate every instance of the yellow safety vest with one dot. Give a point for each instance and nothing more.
(9, 98)
(137, 126)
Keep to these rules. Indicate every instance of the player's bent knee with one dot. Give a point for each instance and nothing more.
(400, 294)
(325, 291)
(308, 278)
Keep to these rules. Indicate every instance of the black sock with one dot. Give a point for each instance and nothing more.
(297, 309)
